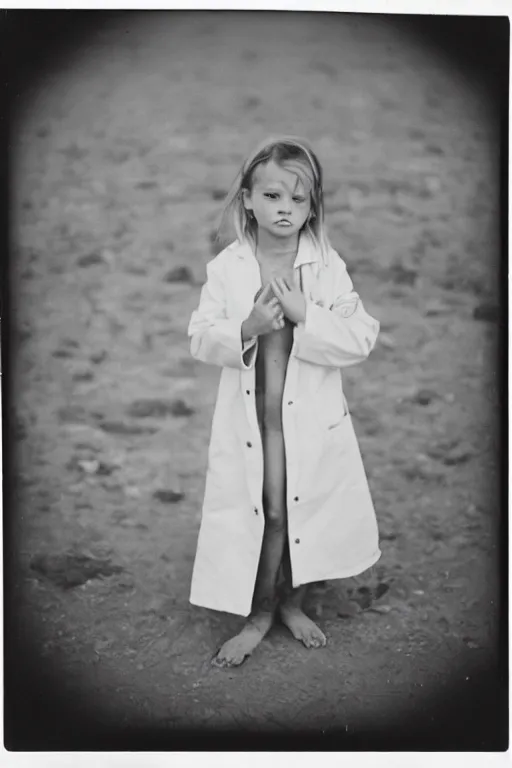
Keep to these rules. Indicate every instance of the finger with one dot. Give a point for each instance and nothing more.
(274, 303)
(265, 294)
(284, 284)
(276, 286)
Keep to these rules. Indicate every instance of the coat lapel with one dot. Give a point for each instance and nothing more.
(247, 280)
(306, 265)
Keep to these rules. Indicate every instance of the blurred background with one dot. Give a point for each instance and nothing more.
(126, 132)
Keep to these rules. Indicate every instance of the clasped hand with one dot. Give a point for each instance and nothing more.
(269, 310)
(291, 299)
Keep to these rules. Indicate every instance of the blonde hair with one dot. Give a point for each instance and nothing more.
(292, 154)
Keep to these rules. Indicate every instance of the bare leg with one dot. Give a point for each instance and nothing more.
(259, 622)
(292, 615)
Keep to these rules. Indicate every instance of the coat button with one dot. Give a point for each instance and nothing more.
(297, 541)
(296, 498)
(248, 391)
(290, 402)
(249, 445)
(256, 511)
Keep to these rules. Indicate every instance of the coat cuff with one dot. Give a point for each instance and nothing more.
(221, 344)
(249, 350)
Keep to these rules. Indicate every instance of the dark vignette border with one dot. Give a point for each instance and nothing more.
(40, 714)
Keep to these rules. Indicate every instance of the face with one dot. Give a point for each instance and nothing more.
(279, 201)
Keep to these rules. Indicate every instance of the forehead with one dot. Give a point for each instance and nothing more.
(272, 175)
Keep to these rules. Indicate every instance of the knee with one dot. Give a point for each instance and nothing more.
(275, 518)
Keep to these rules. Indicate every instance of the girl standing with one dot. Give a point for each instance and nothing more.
(286, 500)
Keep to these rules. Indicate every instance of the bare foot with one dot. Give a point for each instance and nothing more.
(301, 627)
(236, 650)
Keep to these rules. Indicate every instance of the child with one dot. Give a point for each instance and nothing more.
(286, 492)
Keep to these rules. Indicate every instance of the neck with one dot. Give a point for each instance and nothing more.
(281, 248)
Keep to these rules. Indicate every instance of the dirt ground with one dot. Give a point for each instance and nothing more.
(121, 161)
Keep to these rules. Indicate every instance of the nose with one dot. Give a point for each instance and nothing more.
(285, 208)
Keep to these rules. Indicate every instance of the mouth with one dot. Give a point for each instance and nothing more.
(283, 223)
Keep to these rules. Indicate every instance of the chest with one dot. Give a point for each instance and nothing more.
(245, 278)
(269, 271)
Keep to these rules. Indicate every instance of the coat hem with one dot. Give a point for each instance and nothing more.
(211, 607)
(346, 574)
(343, 574)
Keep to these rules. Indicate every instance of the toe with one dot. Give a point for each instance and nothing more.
(317, 639)
(231, 659)
(236, 660)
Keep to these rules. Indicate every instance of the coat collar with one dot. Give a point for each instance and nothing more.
(307, 252)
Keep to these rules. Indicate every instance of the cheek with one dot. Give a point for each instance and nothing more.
(262, 212)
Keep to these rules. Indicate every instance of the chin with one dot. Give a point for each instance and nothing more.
(285, 231)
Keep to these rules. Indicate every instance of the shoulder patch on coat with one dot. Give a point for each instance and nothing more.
(347, 306)
(348, 309)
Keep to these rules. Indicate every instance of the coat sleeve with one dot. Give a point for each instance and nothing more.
(215, 338)
(340, 335)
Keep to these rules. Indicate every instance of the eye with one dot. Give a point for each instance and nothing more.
(270, 195)
(299, 199)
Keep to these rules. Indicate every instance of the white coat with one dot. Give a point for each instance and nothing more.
(332, 529)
